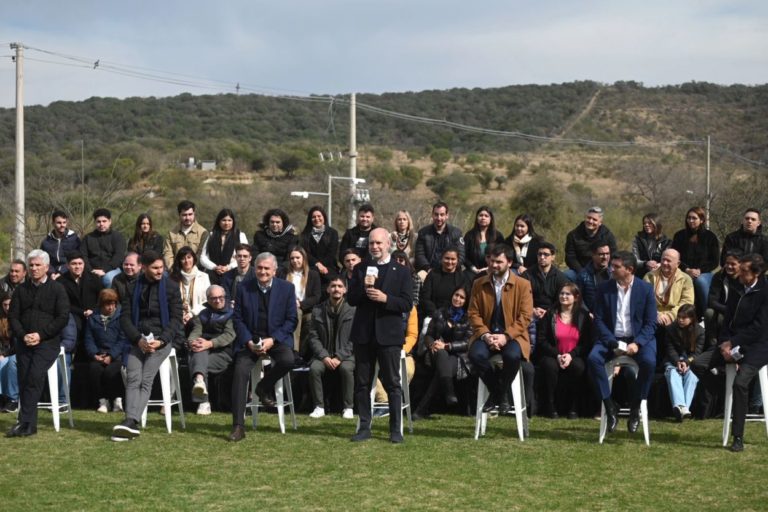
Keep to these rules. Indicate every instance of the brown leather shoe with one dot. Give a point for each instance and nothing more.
(238, 434)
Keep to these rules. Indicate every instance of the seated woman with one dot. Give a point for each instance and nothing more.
(441, 282)
(401, 258)
(685, 342)
(563, 345)
(699, 254)
(276, 235)
(446, 343)
(306, 282)
(482, 234)
(648, 245)
(193, 284)
(106, 347)
(321, 242)
(218, 253)
(403, 237)
(145, 237)
(9, 384)
(525, 241)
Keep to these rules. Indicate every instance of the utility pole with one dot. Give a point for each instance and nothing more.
(352, 159)
(82, 180)
(709, 192)
(19, 238)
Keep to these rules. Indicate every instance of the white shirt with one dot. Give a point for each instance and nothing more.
(623, 328)
(498, 285)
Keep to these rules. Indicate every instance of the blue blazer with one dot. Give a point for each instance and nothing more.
(282, 317)
(378, 322)
(642, 310)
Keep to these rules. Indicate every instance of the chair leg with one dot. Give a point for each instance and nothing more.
(177, 386)
(730, 376)
(53, 388)
(517, 384)
(165, 385)
(644, 418)
(255, 379)
(480, 416)
(288, 387)
(406, 393)
(65, 380)
(280, 405)
(763, 376)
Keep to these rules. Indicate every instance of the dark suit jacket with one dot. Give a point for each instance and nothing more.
(281, 318)
(642, 309)
(378, 322)
(746, 324)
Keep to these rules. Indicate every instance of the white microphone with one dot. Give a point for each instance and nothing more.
(373, 272)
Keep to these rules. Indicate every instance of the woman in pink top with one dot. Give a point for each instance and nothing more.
(563, 344)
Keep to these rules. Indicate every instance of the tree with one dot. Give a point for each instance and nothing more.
(440, 157)
(540, 198)
(409, 177)
(385, 174)
(485, 177)
(289, 164)
(454, 188)
(501, 180)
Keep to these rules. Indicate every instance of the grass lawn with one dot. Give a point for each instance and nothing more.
(439, 467)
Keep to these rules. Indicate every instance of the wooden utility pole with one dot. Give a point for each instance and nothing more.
(19, 245)
(352, 159)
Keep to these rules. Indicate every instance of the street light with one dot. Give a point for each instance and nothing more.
(305, 193)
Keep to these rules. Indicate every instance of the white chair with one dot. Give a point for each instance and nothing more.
(406, 406)
(283, 395)
(171, 388)
(730, 375)
(624, 362)
(59, 367)
(519, 408)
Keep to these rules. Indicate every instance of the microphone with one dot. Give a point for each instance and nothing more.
(371, 273)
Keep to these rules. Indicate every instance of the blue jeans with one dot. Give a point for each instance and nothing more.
(571, 274)
(681, 387)
(701, 290)
(645, 358)
(62, 395)
(106, 279)
(9, 381)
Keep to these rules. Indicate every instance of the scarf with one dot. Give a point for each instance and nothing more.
(456, 315)
(272, 234)
(520, 245)
(165, 316)
(221, 253)
(663, 296)
(401, 240)
(317, 233)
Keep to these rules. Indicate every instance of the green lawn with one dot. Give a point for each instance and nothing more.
(439, 467)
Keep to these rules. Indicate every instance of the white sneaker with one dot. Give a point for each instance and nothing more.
(103, 406)
(204, 409)
(199, 390)
(686, 413)
(117, 405)
(319, 412)
(348, 414)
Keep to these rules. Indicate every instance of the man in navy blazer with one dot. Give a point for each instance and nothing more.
(625, 322)
(382, 292)
(265, 318)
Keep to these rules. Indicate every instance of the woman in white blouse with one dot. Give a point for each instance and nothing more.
(193, 284)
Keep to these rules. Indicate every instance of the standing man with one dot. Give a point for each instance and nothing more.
(382, 293)
(39, 312)
(744, 338)
(210, 345)
(189, 233)
(625, 321)
(500, 311)
(749, 238)
(331, 347)
(265, 318)
(59, 242)
(151, 321)
(581, 238)
(16, 275)
(124, 282)
(104, 248)
(357, 237)
(244, 270)
(434, 239)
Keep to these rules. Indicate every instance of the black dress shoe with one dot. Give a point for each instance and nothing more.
(490, 405)
(505, 407)
(264, 398)
(362, 435)
(611, 416)
(573, 415)
(396, 438)
(21, 430)
(238, 434)
(451, 400)
(738, 444)
(634, 420)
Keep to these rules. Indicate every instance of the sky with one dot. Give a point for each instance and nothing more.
(373, 46)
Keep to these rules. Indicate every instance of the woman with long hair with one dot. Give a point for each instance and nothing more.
(685, 342)
(306, 282)
(563, 346)
(217, 255)
(525, 242)
(277, 236)
(699, 254)
(193, 283)
(441, 282)
(648, 245)
(321, 243)
(145, 237)
(401, 258)
(9, 382)
(482, 234)
(403, 237)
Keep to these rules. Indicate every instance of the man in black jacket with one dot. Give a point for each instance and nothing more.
(434, 239)
(331, 347)
(124, 282)
(357, 237)
(60, 241)
(17, 273)
(151, 321)
(749, 238)
(39, 312)
(382, 292)
(546, 280)
(579, 241)
(82, 290)
(104, 248)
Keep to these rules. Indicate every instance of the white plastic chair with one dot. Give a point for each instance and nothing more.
(59, 367)
(730, 376)
(283, 395)
(169, 382)
(519, 408)
(406, 406)
(624, 362)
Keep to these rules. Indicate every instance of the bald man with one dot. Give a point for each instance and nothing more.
(671, 287)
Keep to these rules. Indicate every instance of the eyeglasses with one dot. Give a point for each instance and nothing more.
(218, 297)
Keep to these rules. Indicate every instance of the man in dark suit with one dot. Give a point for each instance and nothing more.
(625, 321)
(382, 292)
(265, 318)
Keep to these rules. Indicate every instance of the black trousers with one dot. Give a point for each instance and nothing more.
(388, 357)
(245, 360)
(744, 376)
(106, 381)
(32, 365)
(551, 373)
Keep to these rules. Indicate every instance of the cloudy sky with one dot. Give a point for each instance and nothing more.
(339, 46)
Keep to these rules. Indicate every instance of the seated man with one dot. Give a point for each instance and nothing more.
(546, 280)
(596, 272)
(265, 318)
(500, 311)
(104, 247)
(625, 322)
(581, 238)
(210, 344)
(724, 284)
(434, 239)
(59, 242)
(749, 238)
(331, 348)
(151, 321)
(82, 289)
(124, 282)
(16, 275)
(38, 313)
(232, 278)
